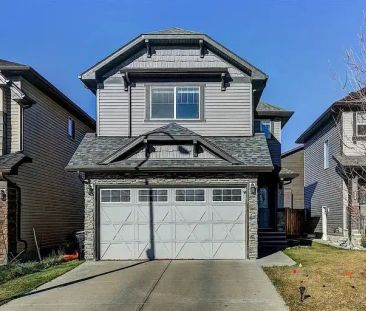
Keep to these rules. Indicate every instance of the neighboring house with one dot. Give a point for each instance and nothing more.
(292, 162)
(182, 146)
(334, 159)
(40, 129)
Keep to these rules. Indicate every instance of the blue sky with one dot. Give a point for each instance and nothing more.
(299, 44)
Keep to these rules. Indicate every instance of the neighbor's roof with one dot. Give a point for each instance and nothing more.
(174, 36)
(252, 153)
(353, 98)
(10, 161)
(351, 161)
(292, 151)
(8, 69)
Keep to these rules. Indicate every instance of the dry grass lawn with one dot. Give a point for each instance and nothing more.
(334, 279)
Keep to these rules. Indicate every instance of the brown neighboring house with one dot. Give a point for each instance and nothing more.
(40, 129)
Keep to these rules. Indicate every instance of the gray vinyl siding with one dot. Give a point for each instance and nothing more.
(295, 162)
(351, 147)
(226, 113)
(323, 187)
(51, 199)
(274, 143)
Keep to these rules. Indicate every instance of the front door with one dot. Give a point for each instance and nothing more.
(264, 213)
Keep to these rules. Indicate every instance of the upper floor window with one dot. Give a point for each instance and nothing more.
(361, 124)
(326, 154)
(175, 103)
(265, 126)
(71, 128)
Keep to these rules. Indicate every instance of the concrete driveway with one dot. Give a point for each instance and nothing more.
(156, 285)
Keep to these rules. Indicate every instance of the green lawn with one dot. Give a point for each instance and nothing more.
(335, 279)
(22, 284)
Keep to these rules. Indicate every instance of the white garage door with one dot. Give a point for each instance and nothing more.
(177, 223)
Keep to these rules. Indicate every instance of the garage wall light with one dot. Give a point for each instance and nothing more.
(3, 195)
(253, 189)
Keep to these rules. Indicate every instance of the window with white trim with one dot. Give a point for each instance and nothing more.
(326, 154)
(265, 126)
(154, 195)
(115, 195)
(361, 124)
(175, 102)
(226, 195)
(190, 195)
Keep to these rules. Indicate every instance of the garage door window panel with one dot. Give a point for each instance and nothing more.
(190, 195)
(227, 195)
(115, 196)
(155, 195)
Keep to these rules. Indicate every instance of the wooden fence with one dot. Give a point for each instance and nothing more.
(295, 221)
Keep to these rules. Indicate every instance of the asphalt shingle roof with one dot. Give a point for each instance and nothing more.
(351, 161)
(252, 152)
(263, 106)
(11, 160)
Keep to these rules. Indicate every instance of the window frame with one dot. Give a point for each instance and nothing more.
(359, 123)
(73, 129)
(113, 189)
(231, 195)
(148, 106)
(326, 157)
(185, 195)
(157, 196)
(270, 127)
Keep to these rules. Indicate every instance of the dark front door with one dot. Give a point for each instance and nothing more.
(264, 213)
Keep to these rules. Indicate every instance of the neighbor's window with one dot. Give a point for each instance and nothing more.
(227, 195)
(190, 195)
(175, 102)
(361, 124)
(71, 128)
(156, 195)
(115, 195)
(264, 126)
(326, 154)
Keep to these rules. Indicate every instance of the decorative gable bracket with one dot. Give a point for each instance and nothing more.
(126, 80)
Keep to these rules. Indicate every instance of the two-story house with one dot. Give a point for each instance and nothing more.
(40, 129)
(334, 170)
(182, 150)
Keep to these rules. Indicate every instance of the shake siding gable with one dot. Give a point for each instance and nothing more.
(51, 199)
(323, 186)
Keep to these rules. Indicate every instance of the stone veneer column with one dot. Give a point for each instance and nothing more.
(4, 237)
(89, 224)
(253, 224)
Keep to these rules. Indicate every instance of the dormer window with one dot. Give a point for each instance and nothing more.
(175, 102)
(265, 127)
(361, 124)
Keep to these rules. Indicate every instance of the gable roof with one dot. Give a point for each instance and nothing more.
(352, 99)
(168, 36)
(251, 154)
(10, 69)
(173, 133)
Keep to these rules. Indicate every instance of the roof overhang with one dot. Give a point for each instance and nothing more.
(49, 89)
(91, 75)
(284, 116)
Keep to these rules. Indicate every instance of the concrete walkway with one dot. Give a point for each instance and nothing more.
(156, 285)
(276, 259)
